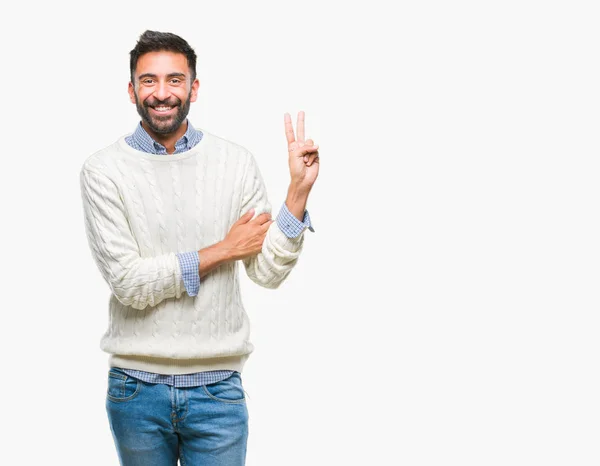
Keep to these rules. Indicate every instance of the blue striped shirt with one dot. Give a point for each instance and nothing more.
(189, 261)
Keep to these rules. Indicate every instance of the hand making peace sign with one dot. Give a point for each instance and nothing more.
(303, 155)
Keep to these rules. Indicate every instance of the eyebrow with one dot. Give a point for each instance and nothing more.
(170, 75)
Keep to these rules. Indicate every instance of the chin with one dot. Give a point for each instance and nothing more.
(162, 127)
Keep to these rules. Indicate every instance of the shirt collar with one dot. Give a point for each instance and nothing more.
(141, 138)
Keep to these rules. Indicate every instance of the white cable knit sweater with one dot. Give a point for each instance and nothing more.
(140, 210)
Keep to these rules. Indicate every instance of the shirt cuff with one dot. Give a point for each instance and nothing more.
(189, 263)
(290, 225)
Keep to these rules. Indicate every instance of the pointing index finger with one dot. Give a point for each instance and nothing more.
(289, 129)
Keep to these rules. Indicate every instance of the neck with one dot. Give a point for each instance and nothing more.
(167, 139)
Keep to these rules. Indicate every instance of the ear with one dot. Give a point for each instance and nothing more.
(131, 91)
(195, 86)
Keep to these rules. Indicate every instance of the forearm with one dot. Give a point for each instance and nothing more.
(195, 265)
(296, 201)
(214, 256)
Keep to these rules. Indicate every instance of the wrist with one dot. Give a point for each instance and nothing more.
(297, 193)
(216, 254)
(223, 252)
(296, 201)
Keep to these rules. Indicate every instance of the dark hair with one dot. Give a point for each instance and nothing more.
(154, 41)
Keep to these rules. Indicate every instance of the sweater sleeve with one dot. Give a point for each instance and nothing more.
(279, 253)
(134, 280)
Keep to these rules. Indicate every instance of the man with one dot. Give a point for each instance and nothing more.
(170, 211)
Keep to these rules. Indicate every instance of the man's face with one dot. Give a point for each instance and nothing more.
(162, 92)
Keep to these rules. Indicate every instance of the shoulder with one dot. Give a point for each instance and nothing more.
(224, 146)
(103, 160)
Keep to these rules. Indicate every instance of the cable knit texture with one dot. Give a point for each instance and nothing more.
(140, 210)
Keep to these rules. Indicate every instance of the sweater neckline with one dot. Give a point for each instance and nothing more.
(127, 149)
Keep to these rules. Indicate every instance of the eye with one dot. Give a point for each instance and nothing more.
(176, 81)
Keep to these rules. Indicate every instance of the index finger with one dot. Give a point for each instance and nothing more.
(289, 129)
(300, 127)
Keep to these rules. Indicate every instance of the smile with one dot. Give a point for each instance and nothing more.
(162, 109)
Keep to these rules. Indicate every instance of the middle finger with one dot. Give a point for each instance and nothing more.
(262, 218)
(300, 127)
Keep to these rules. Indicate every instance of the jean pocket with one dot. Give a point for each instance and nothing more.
(229, 390)
(121, 387)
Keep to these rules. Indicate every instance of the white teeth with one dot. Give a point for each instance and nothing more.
(162, 109)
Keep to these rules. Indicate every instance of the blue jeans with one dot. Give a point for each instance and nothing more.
(155, 424)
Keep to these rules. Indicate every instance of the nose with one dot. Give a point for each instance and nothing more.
(161, 91)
